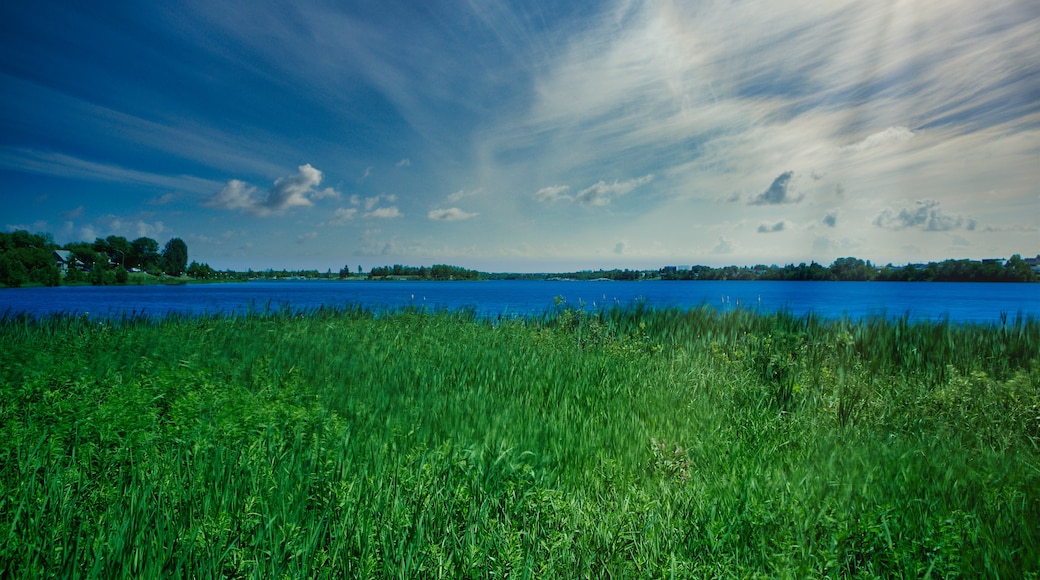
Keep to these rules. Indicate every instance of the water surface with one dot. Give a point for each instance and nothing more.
(962, 302)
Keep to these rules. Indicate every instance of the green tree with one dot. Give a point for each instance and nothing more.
(144, 254)
(200, 271)
(175, 257)
(12, 272)
(1017, 270)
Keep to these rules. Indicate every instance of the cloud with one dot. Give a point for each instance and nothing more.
(603, 193)
(724, 246)
(830, 219)
(73, 214)
(926, 215)
(767, 229)
(384, 213)
(328, 192)
(163, 199)
(889, 136)
(450, 214)
(341, 216)
(130, 227)
(61, 165)
(778, 192)
(306, 237)
(292, 191)
(406, 162)
(552, 194)
(619, 248)
(371, 202)
(463, 194)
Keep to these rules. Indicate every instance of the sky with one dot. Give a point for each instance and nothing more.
(526, 136)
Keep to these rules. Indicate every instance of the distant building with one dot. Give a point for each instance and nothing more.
(1033, 263)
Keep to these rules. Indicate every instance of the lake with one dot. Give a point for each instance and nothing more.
(961, 302)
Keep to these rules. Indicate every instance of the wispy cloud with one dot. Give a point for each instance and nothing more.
(163, 199)
(62, 165)
(552, 194)
(288, 192)
(406, 162)
(602, 193)
(384, 213)
(889, 136)
(770, 228)
(450, 214)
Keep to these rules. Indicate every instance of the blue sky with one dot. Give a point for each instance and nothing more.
(526, 136)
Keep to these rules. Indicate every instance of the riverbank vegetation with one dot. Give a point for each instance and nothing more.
(621, 443)
(35, 260)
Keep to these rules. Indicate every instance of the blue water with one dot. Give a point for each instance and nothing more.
(961, 302)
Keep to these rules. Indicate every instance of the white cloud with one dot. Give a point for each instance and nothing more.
(450, 214)
(384, 213)
(462, 194)
(552, 194)
(342, 215)
(328, 192)
(292, 191)
(404, 162)
(235, 195)
(889, 136)
(130, 227)
(306, 237)
(602, 193)
(371, 202)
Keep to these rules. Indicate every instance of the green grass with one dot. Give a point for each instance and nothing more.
(624, 443)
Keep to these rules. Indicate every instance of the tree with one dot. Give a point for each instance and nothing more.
(175, 257)
(144, 253)
(200, 271)
(1017, 270)
(12, 272)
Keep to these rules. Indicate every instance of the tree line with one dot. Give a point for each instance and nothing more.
(27, 258)
(435, 272)
(1015, 269)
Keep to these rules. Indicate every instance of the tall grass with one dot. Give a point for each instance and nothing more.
(628, 442)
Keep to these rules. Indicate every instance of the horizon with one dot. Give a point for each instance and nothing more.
(513, 138)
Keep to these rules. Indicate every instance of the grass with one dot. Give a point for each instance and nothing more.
(623, 443)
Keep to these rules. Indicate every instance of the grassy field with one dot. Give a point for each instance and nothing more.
(625, 443)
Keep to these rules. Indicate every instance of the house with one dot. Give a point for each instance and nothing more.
(64, 259)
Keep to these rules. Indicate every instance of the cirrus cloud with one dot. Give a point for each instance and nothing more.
(602, 193)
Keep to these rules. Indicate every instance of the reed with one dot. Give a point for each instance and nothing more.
(623, 442)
